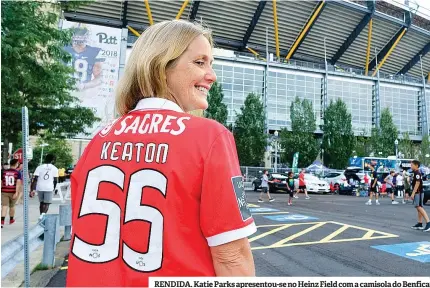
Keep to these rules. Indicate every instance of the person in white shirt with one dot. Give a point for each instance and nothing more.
(44, 181)
(265, 187)
(400, 186)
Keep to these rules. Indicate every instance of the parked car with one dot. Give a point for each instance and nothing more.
(279, 182)
(315, 185)
(355, 173)
(334, 177)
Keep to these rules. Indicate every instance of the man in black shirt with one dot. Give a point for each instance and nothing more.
(417, 196)
(373, 186)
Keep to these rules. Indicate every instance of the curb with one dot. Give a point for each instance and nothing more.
(42, 278)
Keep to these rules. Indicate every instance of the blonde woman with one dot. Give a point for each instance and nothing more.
(159, 192)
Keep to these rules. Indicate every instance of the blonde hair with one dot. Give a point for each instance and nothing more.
(156, 50)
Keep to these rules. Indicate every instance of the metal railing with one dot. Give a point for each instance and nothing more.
(13, 250)
(49, 226)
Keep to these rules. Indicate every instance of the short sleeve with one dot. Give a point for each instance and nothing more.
(56, 172)
(37, 172)
(224, 213)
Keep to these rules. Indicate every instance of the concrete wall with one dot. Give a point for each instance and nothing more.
(78, 148)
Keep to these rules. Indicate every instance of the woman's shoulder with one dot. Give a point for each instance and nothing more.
(209, 124)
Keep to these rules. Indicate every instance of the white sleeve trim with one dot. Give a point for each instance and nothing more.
(232, 235)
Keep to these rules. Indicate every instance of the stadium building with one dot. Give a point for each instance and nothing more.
(371, 54)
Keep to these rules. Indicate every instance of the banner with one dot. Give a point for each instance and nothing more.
(95, 54)
(385, 165)
(295, 162)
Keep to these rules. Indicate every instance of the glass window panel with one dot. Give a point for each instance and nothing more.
(259, 73)
(300, 90)
(248, 82)
(238, 70)
(227, 93)
(249, 71)
(249, 89)
(281, 92)
(227, 74)
(227, 86)
(238, 87)
(281, 85)
(249, 76)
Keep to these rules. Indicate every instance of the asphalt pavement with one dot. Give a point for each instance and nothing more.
(332, 235)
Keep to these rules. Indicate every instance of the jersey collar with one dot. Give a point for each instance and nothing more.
(157, 104)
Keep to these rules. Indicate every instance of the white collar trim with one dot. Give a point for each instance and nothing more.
(156, 104)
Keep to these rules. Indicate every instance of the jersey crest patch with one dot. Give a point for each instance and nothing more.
(239, 190)
(107, 128)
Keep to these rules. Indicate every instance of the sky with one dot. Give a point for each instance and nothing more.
(424, 3)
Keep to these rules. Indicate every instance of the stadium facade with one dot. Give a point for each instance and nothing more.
(370, 54)
(240, 76)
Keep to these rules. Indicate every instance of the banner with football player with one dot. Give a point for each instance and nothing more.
(95, 54)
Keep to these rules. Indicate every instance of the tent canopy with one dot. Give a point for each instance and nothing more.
(316, 166)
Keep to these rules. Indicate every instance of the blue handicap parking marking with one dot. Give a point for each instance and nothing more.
(262, 209)
(290, 217)
(418, 251)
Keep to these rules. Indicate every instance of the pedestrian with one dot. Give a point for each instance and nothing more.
(61, 175)
(400, 186)
(418, 197)
(290, 187)
(407, 183)
(11, 188)
(390, 185)
(159, 171)
(302, 185)
(265, 187)
(20, 200)
(45, 178)
(373, 186)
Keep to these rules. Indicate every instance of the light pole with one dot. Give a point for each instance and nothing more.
(276, 151)
(41, 154)
(397, 144)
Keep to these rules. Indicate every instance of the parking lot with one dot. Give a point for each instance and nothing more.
(334, 235)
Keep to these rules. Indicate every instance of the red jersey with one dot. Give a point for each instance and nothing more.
(9, 178)
(153, 173)
(302, 179)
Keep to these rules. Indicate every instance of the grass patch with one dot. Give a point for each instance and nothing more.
(41, 267)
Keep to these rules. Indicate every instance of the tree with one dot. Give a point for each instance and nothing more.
(424, 155)
(338, 138)
(383, 138)
(362, 145)
(301, 138)
(406, 146)
(34, 73)
(249, 134)
(217, 110)
(57, 146)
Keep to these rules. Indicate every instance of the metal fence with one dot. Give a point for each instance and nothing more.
(250, 173)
